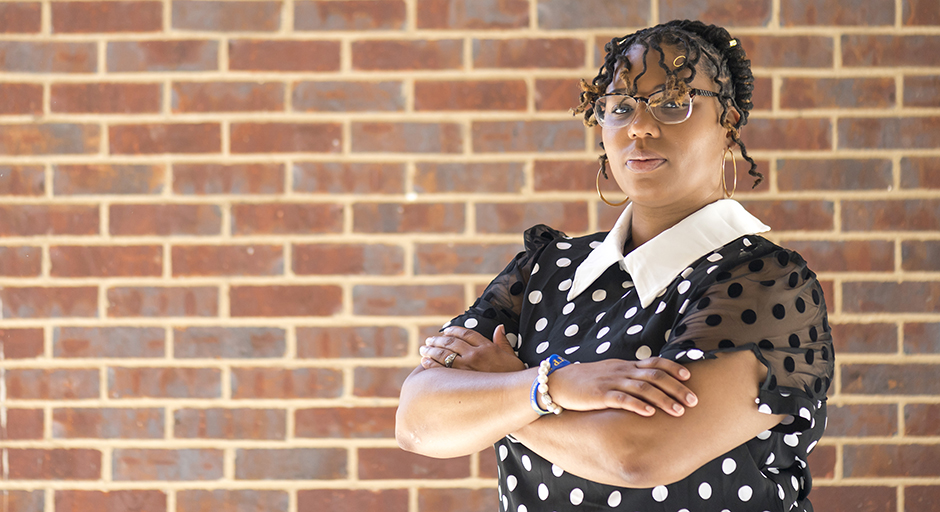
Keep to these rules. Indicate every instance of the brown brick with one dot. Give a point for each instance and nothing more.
(470, 95)
(105, 98)
(167, 465)
(227, 260)
(809, 93)
(379, 382)
(241, 500)
(21, 343)
(54, 464)
(395, 464)
(101, 342)
(456, 500)
(291, 464)
(135, 139)
(349, 178)
(517, 217)
(282, 55)
(921, 498)
(387, 500)
(477, 14)
(165, 219)
(397, 300)
(488, 178)
(111, 501)
(106, 261)
(921, 338)
(846, 256)
(919, 12)
(286, 383)
(407, 137)
(798, 133)
(107, 179)
(556, 14)
(88, 17)
(218, 423)
(227, 16)
(746, 13)
(921, 91)
(350, 15)
(228, 342)
(556, 94)
(25, 501)
(107, 423)
(23, 424)
(227, 96)
(408, 218)
(348, 259)
(911, 460)
(22, 180)
(350, 342)
(374, 55)
(528, 53)
(890, 379)
(278, 301)
(843, 174)
(878, 133)
(49, 302)
(862, 420)
(343, 96)
(20, 261)
(164, 382)
(286, 137)
(894, 297)
(922, 419)
(20, 17)
(869, 498)
(532, 136)
(199, 179)
(883, 50)
(822, 461)
(20, 98)
(853, 12)
(152, 301)
(762, 97)
(923, 172)
(48, 57)
(564, 176)
(49, 139)
(794, 215)
(917, 255)
(346, 422)
(171, 55)
(865, 338)
(789, 51)
(476, 258)
(286, 218)
(51, 384)
(898, 215)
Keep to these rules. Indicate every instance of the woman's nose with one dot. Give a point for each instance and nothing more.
(642, 124)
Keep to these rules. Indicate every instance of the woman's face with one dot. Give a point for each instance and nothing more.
(662, 165)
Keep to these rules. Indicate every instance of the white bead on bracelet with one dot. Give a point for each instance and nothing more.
(544, 370)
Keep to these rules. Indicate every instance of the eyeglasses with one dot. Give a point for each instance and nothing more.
(615, 110)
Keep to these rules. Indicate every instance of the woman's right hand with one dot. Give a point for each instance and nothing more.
(639, 386)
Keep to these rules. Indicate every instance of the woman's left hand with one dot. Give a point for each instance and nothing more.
(473, 351)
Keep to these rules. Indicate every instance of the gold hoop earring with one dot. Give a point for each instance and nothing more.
(597, 182)
(734, 164)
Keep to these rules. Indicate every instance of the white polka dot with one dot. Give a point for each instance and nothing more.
(630, 312)
(643, 352)
(773, 470)
(770, 459)
(804, 413)
(745, 493)
(705, 491)
(503, 452)
(764, 408)
(535, 268)
(576, 496)
(666, 334)
(599, 316)
(661, 293)
(680, 354)
(511, 482)
(522, 508)
(635, 328)
(564, 285)
(543, 492)
(513, 339)
(603, 332)
(711, 269)
(569, 307)
(626, 284)
(603, 347)
(660, 493)
(505, 503)
(728, 466)
(660, 307)
(599, 295)
(541, 324)
(685, 273)
(571, 330)
(595, 244)
(810, 447)
(684, 305)
(780, 492)
(763, 436)
(446, 325)
(788, 419)
(535, 297)
(791, 440)
(563, 245)
(713, 257)
(695, 354)
(470, 323)
(684, 286)
(614, 499)
(527, 463)
(747, 242)
(795, 483)
(542, 347)
(571, 350)
(563, 262)
(557, 471)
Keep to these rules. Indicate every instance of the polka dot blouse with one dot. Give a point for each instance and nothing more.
(582, 299)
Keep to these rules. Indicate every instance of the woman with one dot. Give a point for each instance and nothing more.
(704, 349)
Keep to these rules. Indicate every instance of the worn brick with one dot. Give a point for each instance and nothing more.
(870, 498)
(890, 379)
(52, 384)
(18, 99)
(387, 500)
(923, 172)
(858, 420)
(21, 343)
(891, 297)
(517, 217)
(107, 423)
(921, 498)
(890, 50)
(473, 14)
(167, 465)
(384, 55)
(151, 301)
(528, 53)
(96, 179)
(922, 91)
(24, 501)
(789, 51)
(105, 98)
(346, 422)
(746, 13)
(20, 17)
(345, 96)
(106, 261)
(111, 501)
(169, 55)
(921, 338)
(53, 464)
(798, 133)
(917, 255)
(283, 55)
(351, 342)
(350, 15)
(227, 96)
(407, 137)
(794, 215)
(348, 259)
(228, 342)
(200, 179)
(820, 12)
(489, 178)
(291, 464)
(809, 93)
(20, 261)
(22, 180)
(897, 215)
(910, 460)
(408, 218)
(402, 300)
(164, 382)
(219, 423)
(101, 342)
(134, 139)
(530, 136)
(226, 16)
(919, 12)
(557, 14)
(881, 133)
(90, 17)
(474, 95)
(48, 57)
(564, 175)
(822, 461)
(865, 338)
(395, 464)
(286, 383)
(277, 301)
(234, 500)
(456, 500)
(165, 219)
(49, 139)
(227, 260)
(379, 382)
(762, 96)
(475, 258)
(23, 424)
(49, 302)
(846, 256)
(286, 218)
(922, 419)
(286, 137)
(556, 94)
(841, 174)
(349, 178)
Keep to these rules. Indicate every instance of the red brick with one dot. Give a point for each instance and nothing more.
(107, 423)
(170, 55)
(789, 51)
(557, 14)
(559, 94)
(517, 217)
(921, 91)
(407, 137)
(379, 382)
(867, 174)
(395, 464)
(921, 172)
(822, 461)
(350, 15)
(919, 255)
(865, 338)
(278, 301)
(532, 136)
(24, 501)
(227, 260)
(921, 498)
(135, 139)
(286, 218)
(911, 460)
(476, 14)
(809, 93)
(475, 258)
(387, 500)
(919, 12)
(22, 180)
(286, 383)
(165, 219)
(286, 137)
(890, 379)
(408, 218)
(105, 98)
(50, 384)
(746, 13)
(846, 256)
(22, 424)
(869, 498)
(20, 17)
(218, 423)
(232, 499)
(348, 259)
(383, 55)
(101, 342)
(199, 179)
(20, 98)
(350, 342)
(227, 16)
(164, 382)
(794, 215)
(107, 179)
(49, 302)
(346, 422)
(110, 501)
(48, 57)
(922, 419)
(564, 176)
(898, 215)
(337, 96)
(106, 261)
(862, 420)
(227, 96)
(820, 12)
(282, 55)
(470, 95)
(798, 133)
(349, 178)
(88, 17)
(762, 97)
(894, 297)
(491, 177)
(150, 301)
(20, 261)
(53, 464)
(167, 465)
(291, 464)
(456, 500)
(878, 133)
(228, 342)
(21, 343)
(49, 139)
(921, 338)
(528, 53)
(882, 50)
(396, 300)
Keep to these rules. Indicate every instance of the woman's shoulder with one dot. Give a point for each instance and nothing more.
(541, 236)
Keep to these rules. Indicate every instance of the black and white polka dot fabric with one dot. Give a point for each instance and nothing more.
(567, 296)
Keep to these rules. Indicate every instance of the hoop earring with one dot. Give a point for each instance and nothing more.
(597, 182)
(734, 164)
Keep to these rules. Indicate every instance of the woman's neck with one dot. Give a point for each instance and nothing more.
(648, 221)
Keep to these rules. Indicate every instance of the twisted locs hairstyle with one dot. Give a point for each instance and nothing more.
(707, 48)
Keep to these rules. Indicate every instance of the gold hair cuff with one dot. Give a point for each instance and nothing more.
(676, 63)
(732, 43)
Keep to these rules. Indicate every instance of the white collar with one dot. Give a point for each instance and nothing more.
(655, 264)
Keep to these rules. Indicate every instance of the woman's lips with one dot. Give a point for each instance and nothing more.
(646, 165)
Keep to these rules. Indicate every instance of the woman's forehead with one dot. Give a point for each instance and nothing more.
(655, 75)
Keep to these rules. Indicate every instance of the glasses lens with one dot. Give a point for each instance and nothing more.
(671, 110)
(615, 110)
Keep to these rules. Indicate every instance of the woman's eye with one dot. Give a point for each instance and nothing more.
(622, 108)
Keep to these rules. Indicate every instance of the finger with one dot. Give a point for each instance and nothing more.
(435, 353)
(619, 400)
(673, 368)
(650, 394)
(427, 362)
(450, 343)
(500, 338)
(469, 335)
(667, 382)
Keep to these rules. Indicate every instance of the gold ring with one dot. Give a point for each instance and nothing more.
(449, 360)
(676, 63)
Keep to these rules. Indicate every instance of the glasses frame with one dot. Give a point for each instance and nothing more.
(692, 94)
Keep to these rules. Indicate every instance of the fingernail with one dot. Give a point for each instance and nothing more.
(427, 341)
(684, 373)
(650, 409)
(422, 350)
(691, 399)
(678, 408)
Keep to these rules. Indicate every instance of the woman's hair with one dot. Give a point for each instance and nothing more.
(707, 48)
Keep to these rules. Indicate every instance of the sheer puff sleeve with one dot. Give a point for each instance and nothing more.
(773, 306)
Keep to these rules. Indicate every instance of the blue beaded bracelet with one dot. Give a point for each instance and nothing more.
(547, 366)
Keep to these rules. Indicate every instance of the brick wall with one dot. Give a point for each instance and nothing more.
(226, 227)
